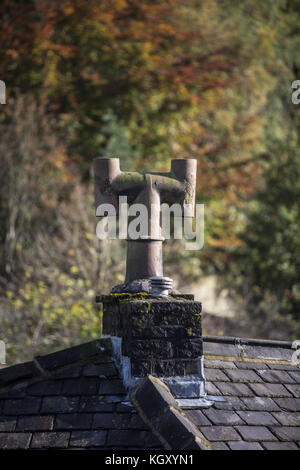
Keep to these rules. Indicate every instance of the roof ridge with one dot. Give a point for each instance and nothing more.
(44, 366)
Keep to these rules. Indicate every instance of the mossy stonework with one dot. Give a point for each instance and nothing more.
(161, 336)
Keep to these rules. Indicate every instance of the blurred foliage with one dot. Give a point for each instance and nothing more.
(266, 270)
(144, 81)
(40, 308)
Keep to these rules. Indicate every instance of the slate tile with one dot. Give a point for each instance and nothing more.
(246, 376)
(260, 404)
(88, 439)
(223, 417)
(294, 389)
(14, 440)
(108, 420)
(280, 446)
(81, 386)
(251, 365)
(50, 440)
(287, 418)
(264, 352)
(295, 376)
(71, 372)
(231, 403)
(111, 387)
(73, 421)
(124, 438)
(255, 433)
(24, 406)
(7, 423)
(288, 404)
(197, 417)
(220, 433)
(234, 389)
(220, 446)
(12, 393)
(219, 349)
(46, 387)
(218, 364)
(276, 376)
(287, 433)
(242, 445)
(215, 375)
(270, 390)
(94, 404)
(282, 367)
(211, 389)
(59, 404)
(107, 369)
(35, 423)
(258, 418)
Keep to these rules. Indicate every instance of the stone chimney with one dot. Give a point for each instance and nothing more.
(157, 336)
(154, 329)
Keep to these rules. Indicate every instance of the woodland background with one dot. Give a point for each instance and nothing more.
(147, 81)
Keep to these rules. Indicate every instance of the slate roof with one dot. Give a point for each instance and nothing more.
(70, 399)
(75, 399)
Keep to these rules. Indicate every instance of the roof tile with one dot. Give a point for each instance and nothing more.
(220, 433)
(220, 446)
(81, 386)
(294, 389)
(197, 417)
(224, 417)
(251, 365)
(270, 390)
(7, 423)
(218, 364)
(242, 445)
(287, 418)
(60, 404)
(107, 369)
(46, 387)
(260, 404)
(14, 440)
(95, 403)
(215, 375)
(88, 438)
(280, 446)
(26, 406)
(211, 389)
(114, 386)
(231, 403)
(287, 433)
(256, 433)
(35, 423)
(262, 418)
(288, 404)
(47, 440)
(120, 438)
(276, 376)
(73, 421)
(235, 389)
(246, 376)
(295, 375)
